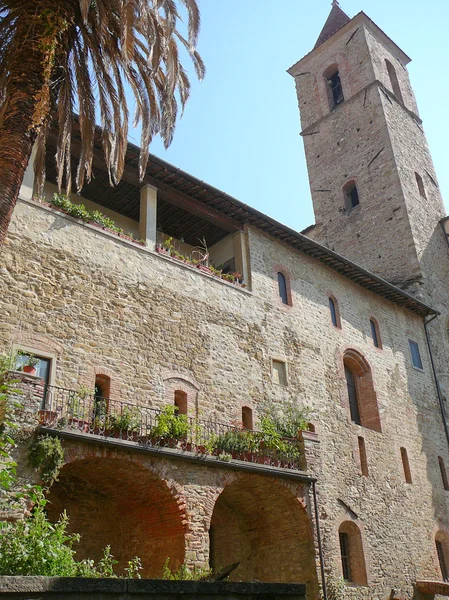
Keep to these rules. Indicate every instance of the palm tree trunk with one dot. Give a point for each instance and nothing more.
(27, 102)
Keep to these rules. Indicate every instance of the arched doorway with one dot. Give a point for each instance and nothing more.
(118, 502)
(258, 522)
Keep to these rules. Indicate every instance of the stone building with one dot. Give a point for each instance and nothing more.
(348, 318)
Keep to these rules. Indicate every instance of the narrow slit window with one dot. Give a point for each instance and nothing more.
(334, 312)
(394, 81)
(335, 89)
(351, 196)
(442, 560)
(416, 355)
(420, 184)
(406, 466)
(352, 396)
(247, 417)
(344, 551)
(443, 473)
(363, 458)
(283, 290)
(375, 333)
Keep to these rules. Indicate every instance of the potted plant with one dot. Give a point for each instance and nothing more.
(171, 428)
(127, 424)
(29, 362)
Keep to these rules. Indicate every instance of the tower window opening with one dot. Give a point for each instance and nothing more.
(335, 88)
(351, 553)
(394, 81)
(420, 184)
(416, 356)
(344, 550)
(351, 196)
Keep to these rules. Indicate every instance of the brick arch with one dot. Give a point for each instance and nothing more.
(113, 499)
(176, 386)
(39, 342)
(366, 395)
(261, 523)
(88, 379)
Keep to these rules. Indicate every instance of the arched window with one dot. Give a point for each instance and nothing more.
(352, 556)
(283, 288)
(394, 81)
(406, 466)
(442, 548)
(334, 87)
(420, 184)
(102, 392)
(351, 196)
(335, 312)
(362, 398)
(247, 417)
(181, 402)
(443, 473)
(375, 333)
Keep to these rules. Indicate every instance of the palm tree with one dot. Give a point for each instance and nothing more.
(58, 57)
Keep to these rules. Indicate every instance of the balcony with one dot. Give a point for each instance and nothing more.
(82, 414)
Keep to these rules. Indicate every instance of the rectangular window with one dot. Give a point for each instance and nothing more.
(363, 458)
(443, 473)
(42, 366)
(416, 356)
(344, 551)
(279, 372)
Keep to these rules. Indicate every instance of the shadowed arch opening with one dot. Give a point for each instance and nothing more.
(360, 389)
(259, 523)
(118, 502)
(352, 555)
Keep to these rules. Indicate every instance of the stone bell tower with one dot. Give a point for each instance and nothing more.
(374, 189)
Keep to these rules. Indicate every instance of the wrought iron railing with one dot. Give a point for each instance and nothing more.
(79, 411)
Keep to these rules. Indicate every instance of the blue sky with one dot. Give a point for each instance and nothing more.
(240, 129)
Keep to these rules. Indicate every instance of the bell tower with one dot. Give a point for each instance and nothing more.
(374, 189)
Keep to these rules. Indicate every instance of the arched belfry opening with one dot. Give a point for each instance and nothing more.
(259, 523)
(121, 503)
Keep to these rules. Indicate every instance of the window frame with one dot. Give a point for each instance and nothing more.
(406, 465)
(394, 81)
(348, 189)
(282, 275)
(282, 362)
(50, 356)
(329, 74)
(410, 342)
(420, 185)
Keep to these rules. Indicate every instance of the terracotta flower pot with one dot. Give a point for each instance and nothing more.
(29, 369)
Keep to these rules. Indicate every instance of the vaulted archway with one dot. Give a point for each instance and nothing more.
(258, 522)
(119, 502)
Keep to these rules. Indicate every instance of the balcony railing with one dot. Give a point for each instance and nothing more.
(163, 428)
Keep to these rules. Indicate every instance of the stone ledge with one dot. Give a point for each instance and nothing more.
(84, 589)
(433, 587)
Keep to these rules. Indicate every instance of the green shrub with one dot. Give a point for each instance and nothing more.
(128, 420)
(285, 418)
(47, 455)
(34, 546)
(170, 424)
(184, 573)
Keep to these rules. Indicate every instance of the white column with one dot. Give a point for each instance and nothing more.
(26, 189)
(148, 214)
(240, 255)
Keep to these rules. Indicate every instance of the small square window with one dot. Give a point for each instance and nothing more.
(416, 356)
(42, 365)
(279, 372)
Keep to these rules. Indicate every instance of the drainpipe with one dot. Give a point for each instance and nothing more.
(432, 362)
(318, 535)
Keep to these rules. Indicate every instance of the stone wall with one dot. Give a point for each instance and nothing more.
(101, 303)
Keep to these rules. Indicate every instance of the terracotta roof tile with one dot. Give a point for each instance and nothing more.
(335, 21)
